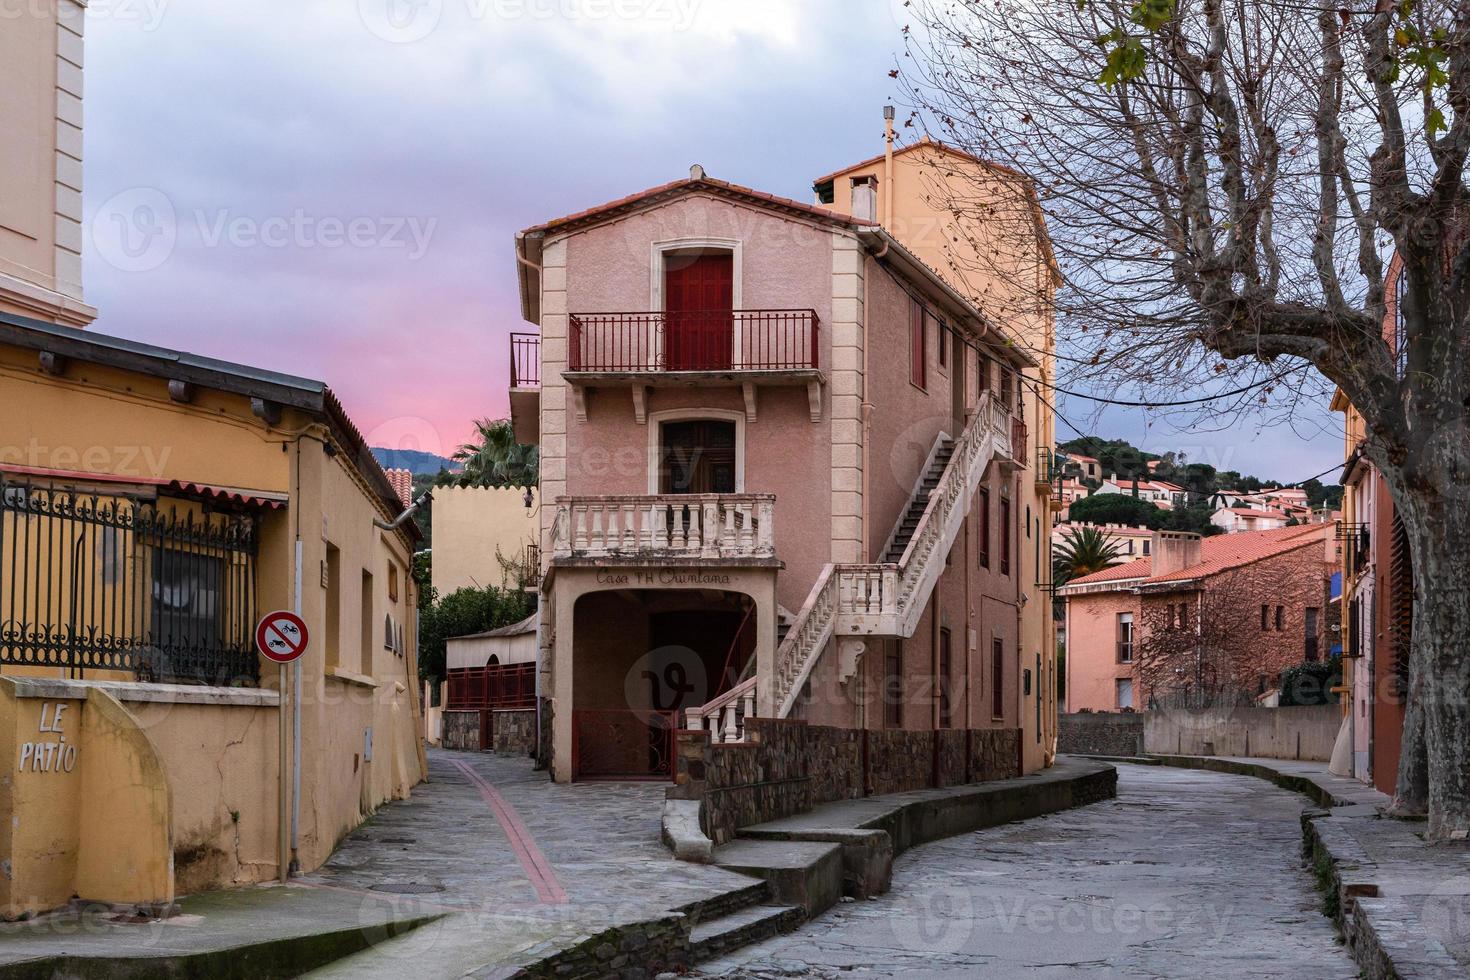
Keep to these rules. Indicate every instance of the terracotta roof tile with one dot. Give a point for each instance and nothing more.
(402, 482)
(718, 187)
(1217, 553)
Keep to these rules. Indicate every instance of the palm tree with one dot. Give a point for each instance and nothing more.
(495, 459)
(1082, 551)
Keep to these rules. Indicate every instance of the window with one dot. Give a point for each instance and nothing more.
(186, 599)
(332, 582)
(697, 456)
(997, 678)
(1125, 693)
(941, 341)
(1005, 535)
(1280, 618)
(918, 349)
(1146, 543)
(1184, 615)
(982, 372)
(1006, 394)
(945, 715)
(1311, 634)
(392, 581)
(1125, 638)
(893, 685)
(1265, 617)
(368, 624)
(984, 527)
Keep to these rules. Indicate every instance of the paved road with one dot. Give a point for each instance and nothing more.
(1185, 874)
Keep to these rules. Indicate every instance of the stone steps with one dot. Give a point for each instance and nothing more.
(749, 925)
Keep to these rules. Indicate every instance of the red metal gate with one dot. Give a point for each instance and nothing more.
(622, 744)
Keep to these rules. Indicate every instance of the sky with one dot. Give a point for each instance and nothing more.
(331, 188)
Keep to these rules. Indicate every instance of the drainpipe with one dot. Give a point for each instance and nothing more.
(888, 167)
(867, 412)
(398, 521)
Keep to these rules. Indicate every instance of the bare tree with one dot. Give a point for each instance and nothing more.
(1224, 182)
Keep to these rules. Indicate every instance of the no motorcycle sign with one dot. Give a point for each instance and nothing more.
(281, 636)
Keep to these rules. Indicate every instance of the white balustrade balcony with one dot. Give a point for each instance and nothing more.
(675, 525)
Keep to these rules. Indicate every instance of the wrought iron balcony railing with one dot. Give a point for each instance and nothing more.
(716, 340)
(525, 360)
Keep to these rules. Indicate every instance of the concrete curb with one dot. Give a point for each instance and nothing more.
(285, 957)
(867, 834)
(1375, 929)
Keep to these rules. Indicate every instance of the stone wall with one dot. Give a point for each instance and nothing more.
(1101, 733)
(462, 730)
(787, 767)
(513, 732)
(995, 753)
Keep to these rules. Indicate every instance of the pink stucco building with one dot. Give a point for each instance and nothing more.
(782, 461)
(1222, 615)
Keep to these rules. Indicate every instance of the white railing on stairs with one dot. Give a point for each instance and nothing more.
(873, 598)
(724, 717)
(886, 599)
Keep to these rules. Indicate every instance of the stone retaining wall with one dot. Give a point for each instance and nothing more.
(513, 732)
(462, 730)
(788, 767)
(1101, 733)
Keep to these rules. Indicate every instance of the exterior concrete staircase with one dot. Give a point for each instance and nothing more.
(909, 523)
(876, 599)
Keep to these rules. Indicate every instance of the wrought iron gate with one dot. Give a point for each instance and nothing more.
(114, 582)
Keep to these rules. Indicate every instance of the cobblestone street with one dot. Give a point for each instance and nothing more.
(1185, 874)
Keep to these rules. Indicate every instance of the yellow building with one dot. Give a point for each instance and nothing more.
(979, 225)
(154, 505)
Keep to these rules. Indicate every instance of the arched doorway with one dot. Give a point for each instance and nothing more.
(641, 658)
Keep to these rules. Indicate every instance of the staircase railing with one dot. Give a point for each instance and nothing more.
(888, 599)
(724, 717)
(873, 598)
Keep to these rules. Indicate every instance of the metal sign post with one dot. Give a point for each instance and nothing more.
(282, 636)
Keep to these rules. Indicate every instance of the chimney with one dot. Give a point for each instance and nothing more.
(888, 114)
(1173, 550)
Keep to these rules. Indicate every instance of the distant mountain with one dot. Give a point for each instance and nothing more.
(416, 461)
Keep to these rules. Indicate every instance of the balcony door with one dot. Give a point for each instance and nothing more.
(698, 457)
(699, 325)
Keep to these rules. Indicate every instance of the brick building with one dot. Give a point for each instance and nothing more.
(1198, 620)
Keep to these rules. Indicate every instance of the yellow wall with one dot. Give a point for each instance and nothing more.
(86, 807)
(470, 524)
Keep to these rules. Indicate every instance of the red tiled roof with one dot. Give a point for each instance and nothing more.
(402, 482)
(1217, 553)
(718, 187)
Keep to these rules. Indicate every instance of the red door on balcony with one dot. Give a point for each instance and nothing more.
(699, 323)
